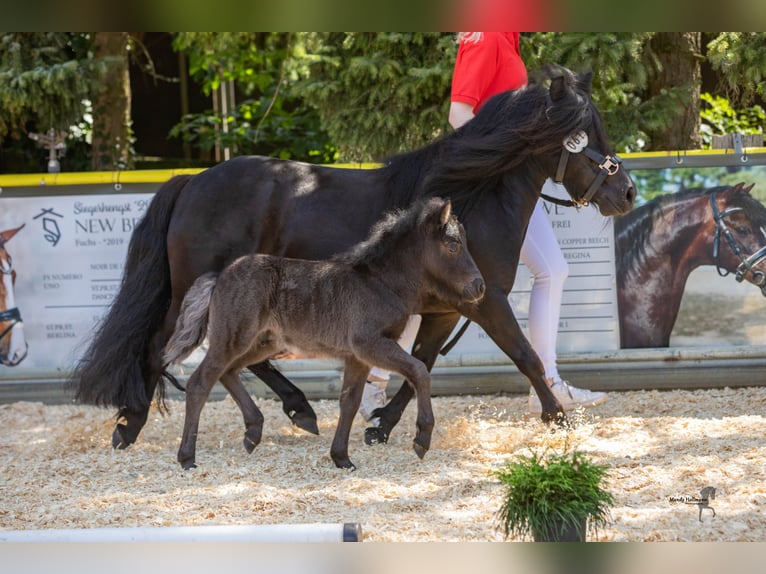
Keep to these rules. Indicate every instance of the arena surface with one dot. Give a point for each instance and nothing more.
(58, 469)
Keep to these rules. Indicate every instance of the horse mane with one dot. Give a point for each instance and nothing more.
(396, 225)
(508, 131)
(636, 228)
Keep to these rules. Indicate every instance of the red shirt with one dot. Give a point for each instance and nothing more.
(486, 67)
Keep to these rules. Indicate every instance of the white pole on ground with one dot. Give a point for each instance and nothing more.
(346, 532)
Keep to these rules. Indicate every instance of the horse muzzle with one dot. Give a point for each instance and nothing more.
(474, 291)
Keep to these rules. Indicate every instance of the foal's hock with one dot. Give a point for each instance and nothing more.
(353, 307)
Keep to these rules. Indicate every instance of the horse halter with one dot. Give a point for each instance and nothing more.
(747, 263)
(577, 142)
(13, 315)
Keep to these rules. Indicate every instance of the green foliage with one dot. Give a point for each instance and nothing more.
(45, 80)
(541, 491)
(740, 60)
(378, 93)
(270, 121)
(719, 118)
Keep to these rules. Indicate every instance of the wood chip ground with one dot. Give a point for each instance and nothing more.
(58, 469)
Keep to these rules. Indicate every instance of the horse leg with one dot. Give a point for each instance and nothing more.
(198, 389)
(250, 412)
(433, 333)
(389, 355)
(495, 316)
(130, 421)
(294, 402)
(354, 375)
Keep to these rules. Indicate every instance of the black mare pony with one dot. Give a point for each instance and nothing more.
(261, 305)
(13, 344)
(492, 169)
(660, 243)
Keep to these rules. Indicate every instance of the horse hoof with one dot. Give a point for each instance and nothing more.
(375, 435)
(305, 421)
(345, 464)
(249, 444)
(187, 465)
(419, 449)
(558, 417)
(119, 440)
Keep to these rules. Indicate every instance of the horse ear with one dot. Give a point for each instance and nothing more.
(558, 88)
(749, 188)
(585, 82)
(8, 233)
(445, 213)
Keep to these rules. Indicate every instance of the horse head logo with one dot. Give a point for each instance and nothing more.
(706, 495)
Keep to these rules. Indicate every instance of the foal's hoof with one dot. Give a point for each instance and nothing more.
(305, 421)
(188, 465)
(419, 449)
(375, 435)
(119, 440)
(249, 445)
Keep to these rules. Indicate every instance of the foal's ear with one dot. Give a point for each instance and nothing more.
(446, 213)
(8, 233)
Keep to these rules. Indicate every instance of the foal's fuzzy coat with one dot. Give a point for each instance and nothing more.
(353, 306)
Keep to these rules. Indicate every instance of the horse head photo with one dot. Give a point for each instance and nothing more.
(661, 242)
(353, 307)
(13, 344)
(492, 169)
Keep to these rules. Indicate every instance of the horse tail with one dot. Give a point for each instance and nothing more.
(115, 368)
(191, 325)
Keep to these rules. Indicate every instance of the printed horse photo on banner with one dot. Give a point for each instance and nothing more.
(13, 344)
(687, 262)
(492, 170)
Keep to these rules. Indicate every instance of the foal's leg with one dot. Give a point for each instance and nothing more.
(250, 412)
(433, 333)
(197, 391)
(354, 375)
(388, 354)
(294, 402)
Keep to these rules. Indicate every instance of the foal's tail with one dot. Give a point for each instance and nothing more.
(191, 325)
(115, 368)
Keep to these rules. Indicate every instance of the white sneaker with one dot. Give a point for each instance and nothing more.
(569, 396)
(373, 397)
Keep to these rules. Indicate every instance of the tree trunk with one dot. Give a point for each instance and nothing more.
(678, 55)
(112, 132)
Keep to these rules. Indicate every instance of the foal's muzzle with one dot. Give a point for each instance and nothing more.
(474, 292)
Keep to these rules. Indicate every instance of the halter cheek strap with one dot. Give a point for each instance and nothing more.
(577, 142)
(747, 263)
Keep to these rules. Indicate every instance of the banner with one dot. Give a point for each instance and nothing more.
(663, 275)
(68, 260)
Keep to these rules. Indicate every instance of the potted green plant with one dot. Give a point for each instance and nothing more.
(554, 497)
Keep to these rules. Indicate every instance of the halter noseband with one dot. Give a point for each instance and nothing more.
(577, 142)
(747, 263)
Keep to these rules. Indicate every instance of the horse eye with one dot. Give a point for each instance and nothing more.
(454, 246)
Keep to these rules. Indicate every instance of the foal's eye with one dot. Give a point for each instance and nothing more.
(454, 247)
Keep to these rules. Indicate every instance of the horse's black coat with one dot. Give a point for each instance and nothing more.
(492, 169)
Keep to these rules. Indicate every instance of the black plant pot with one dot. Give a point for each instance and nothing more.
(557, 531)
